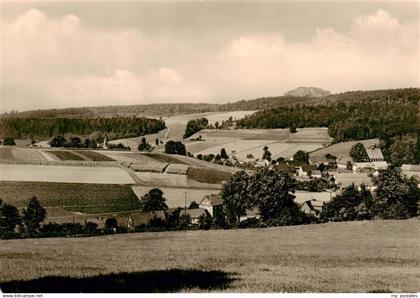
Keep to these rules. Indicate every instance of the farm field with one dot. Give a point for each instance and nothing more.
(369, 256)
(176, 126)
(7, 153)
(94, 156)
(69, 174)
(173, 180)
(246, 142)
(81, 197)
(65, 155)
(176, 197)
(342, 150)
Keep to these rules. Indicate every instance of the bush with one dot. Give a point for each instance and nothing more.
(172, 147)
(8, 141)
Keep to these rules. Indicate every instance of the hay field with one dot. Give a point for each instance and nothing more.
(244, 142)
(69, 174)
(8, 153)
(342, 150)
(173, 180)
(371, 256)
(175, 197)
(81, 197)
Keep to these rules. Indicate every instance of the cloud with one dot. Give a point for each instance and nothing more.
(59, 62)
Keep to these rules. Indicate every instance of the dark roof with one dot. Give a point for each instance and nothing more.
(307, 168)
(214, 199)
(195, 213)
(283, 167)
(314, 205)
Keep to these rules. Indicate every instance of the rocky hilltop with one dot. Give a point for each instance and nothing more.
(308, 92)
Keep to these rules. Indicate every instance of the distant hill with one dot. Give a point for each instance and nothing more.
(308, 92)
(263, 103)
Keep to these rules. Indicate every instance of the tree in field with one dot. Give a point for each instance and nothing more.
(235, 195)
(266, 154)
(8, 141)
(144, 145)
(301, 157)
(153, 200)
(33, 215)
(194, 126)
(172, 147)
(292, 129)
(396, 196)
(358, 153)
(111, 225)
(59, 141)
(9, 217)
(157, 142)
(223, 154)
(272, 193)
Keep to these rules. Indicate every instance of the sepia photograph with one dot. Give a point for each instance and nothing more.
(210, 146)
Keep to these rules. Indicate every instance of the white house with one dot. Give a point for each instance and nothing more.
(212, 203)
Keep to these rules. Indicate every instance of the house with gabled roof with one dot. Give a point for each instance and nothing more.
(194, 214)
(306, 170)
(313, 207)
(212, 203)
(410, 170)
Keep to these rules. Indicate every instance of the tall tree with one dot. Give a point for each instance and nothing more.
(272, 193)
(358, 153)
(9, 217)
(223, 154)
(266, 154)
(33, 215)
(153, 200)
(301, 157)
(396, 196)
(172, 147)
(235, 195)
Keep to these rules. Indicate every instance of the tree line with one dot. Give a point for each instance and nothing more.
(115, 127)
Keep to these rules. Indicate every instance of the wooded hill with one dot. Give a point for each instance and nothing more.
(116, 127)
(263, 103)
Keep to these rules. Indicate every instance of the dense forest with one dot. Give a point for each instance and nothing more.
(116, 127)
(351, 117)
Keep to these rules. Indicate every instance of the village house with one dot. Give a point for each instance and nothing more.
(374, 153)
(306, 170)
(134, 219)
(212, 203)
(312, 207)
(344, 180)
(318, 160)
(323, 196)
(194, 214)
(285, 168)
(411, 171)
(376, 165)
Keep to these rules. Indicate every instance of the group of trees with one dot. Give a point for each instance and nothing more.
(194, 126)
(12, 223)
(8, 141)
(118, 127)
(268, 191)
(358, 153)
(175, 147)
(395, 197)
(73, 142)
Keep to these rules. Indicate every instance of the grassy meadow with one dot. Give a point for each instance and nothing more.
(374, 256)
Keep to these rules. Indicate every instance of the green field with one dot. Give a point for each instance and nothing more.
(375, 256)
(82, 197)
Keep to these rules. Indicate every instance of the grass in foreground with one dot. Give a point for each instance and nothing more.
(374, 256)
(82, 197)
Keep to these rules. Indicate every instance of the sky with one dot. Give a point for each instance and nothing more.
(59, 54)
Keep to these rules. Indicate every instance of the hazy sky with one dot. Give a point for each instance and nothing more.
(89, 53)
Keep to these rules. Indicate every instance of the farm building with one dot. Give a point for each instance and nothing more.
(376, 165)
(211, 203)
(411, 171)
(285, 168)
(374, 153)
(313, 207)
(318, 160)
(316, 174)
(195, 214)
(306, 170)
(346, 179)
(139, 218)
(303, 196)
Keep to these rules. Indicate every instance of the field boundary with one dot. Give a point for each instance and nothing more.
(78, 163)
